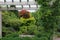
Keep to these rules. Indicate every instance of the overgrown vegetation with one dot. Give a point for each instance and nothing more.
(48, 16)
(43, 23)
(12, 23)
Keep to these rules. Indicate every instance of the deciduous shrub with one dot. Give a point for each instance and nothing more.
(14, 24)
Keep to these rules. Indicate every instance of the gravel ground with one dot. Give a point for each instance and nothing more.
(57, 39)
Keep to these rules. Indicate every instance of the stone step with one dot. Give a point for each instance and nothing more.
(26, 35)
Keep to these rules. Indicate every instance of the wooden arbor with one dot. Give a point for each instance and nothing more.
(16, 5)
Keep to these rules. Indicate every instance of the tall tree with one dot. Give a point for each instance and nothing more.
(47, 16)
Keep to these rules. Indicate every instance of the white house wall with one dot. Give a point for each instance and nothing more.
(1, 1)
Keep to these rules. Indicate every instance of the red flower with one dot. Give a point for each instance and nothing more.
(24, 14)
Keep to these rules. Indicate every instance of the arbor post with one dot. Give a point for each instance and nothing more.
(0, 24)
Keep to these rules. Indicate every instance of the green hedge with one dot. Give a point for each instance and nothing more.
(17, 38)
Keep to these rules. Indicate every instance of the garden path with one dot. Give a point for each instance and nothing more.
(56, 38)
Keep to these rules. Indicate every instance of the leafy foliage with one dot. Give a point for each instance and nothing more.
(12, 23)
(44, 24)
(46, 17)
